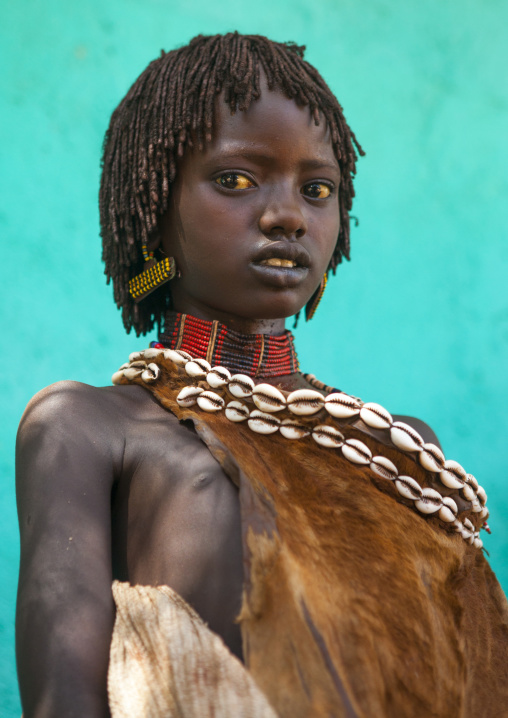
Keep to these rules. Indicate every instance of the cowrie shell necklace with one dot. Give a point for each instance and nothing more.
(271, 411)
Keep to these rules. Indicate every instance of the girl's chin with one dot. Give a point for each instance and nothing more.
(257, 304)
(272, 312)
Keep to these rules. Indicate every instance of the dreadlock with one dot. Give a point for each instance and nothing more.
(171, 107)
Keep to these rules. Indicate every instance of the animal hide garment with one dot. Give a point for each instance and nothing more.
(166, 663)
(354, 604)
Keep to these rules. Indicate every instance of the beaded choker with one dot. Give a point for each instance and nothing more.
(257, 355)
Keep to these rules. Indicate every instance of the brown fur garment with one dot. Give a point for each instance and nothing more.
(354, 604)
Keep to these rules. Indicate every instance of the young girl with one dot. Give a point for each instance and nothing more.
(276, 547)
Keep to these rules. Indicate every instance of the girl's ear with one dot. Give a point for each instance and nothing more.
(158, 240)
(154, 243)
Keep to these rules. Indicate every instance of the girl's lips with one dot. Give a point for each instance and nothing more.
(279, 276)
(286, 254)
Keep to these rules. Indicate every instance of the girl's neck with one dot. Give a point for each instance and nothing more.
(255, 354)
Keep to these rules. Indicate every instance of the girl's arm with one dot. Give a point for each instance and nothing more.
(65, 467)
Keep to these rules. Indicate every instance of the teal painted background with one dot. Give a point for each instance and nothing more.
(418, 321)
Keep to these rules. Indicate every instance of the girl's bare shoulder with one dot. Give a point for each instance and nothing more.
(82, 417)
(74, 401)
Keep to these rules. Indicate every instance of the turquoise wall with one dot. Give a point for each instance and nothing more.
(418, 321)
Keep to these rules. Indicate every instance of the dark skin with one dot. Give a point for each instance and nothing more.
(110, 485)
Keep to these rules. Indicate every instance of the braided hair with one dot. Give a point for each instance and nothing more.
(171, 107)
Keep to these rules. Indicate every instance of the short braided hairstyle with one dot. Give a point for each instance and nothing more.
(171, 107)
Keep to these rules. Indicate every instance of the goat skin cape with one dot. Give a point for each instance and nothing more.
(354, 605)
(166, 663)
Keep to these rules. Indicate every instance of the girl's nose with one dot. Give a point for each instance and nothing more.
(282, 216)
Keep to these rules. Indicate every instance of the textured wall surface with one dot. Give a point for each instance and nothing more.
(418, 321)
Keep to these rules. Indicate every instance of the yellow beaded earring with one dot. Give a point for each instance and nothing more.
(312, 304)
(153, 276)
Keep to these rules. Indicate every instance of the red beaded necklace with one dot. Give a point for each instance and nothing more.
(257, 355)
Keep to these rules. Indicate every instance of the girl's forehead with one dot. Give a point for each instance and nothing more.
(274, 121)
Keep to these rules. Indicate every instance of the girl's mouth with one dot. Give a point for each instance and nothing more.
(280, 273)
(281, 264)
(278, 262)
(282, 254)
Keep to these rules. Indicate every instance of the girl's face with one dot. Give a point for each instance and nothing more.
(254, 219)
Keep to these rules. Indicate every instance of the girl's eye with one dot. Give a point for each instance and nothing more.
(317, 190)
(233, 180)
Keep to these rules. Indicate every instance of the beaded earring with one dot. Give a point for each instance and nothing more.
(312, 304)
(154, 276)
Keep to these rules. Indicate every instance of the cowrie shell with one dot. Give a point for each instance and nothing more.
(468, 524)
(448, 511)
(117, 377)
(375, 416)
(241, 386)
(188, 396)
(150, 374)
(357, 452)
(152, 352)
(470, 479)
(327, 436)
(458, 525)
(478, 542)
(236, 411)
(453, 475)
(484, 513)
(177, 356)
(482, 496)
(405, 437)
(132, 372)
(218, 376)
(467, 530)
(430, 501)
(468, 493)
(291, 429)
(268, 398)
(468, 536)
(342, 406)
(197, 368)
(408, 488)
(210, 401)
(431, 457)
(476, 506)
(305, 402)
(135, 356)
(263, 423)
(383, 467)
